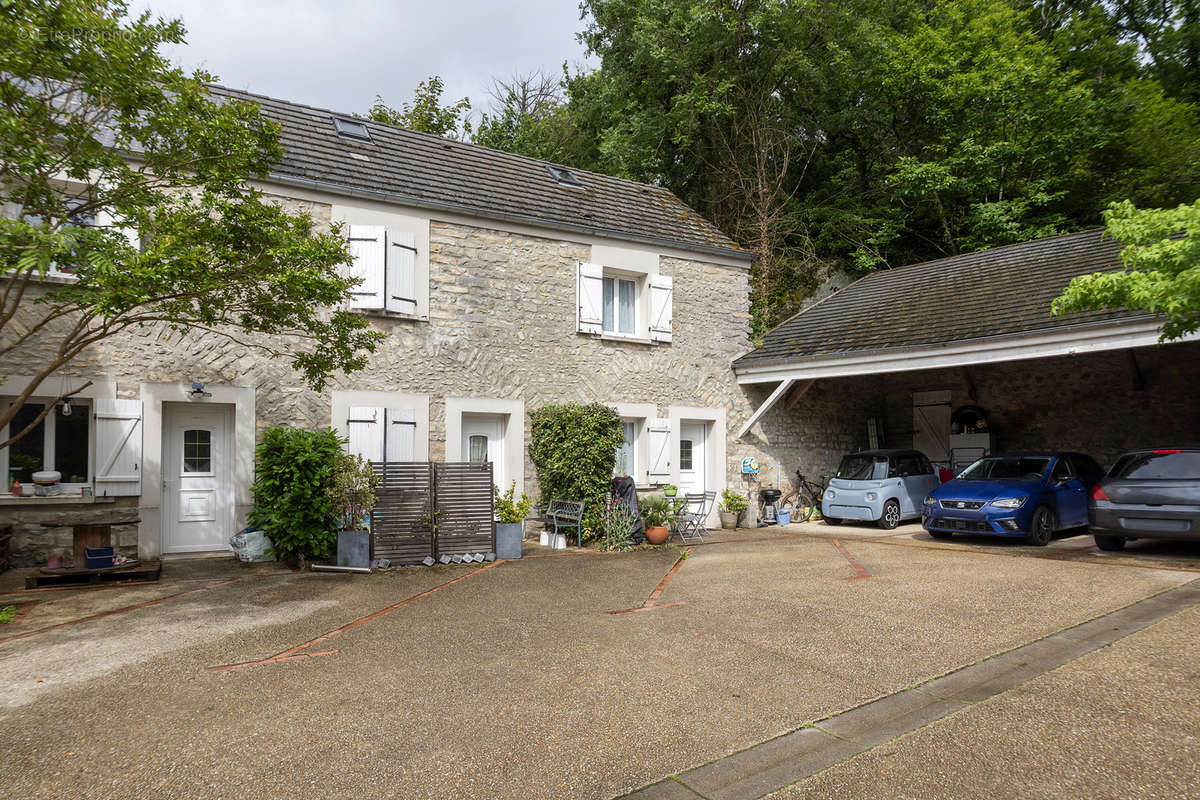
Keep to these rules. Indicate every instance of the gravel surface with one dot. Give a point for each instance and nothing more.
(516, 682)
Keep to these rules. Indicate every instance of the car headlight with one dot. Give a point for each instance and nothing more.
(1009, 502)
(829, 495)
(929, 500)
(871, 496)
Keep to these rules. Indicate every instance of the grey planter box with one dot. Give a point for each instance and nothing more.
(508, 539)
(354, 548)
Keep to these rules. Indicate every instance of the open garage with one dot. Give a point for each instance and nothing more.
(962, 356)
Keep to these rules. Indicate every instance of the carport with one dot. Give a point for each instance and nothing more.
(961, 356)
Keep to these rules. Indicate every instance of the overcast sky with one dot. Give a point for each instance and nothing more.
(339, 55)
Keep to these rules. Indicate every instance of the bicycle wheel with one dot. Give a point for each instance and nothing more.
(807, 506)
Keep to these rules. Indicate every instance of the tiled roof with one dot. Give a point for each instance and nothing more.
(432, 172)
(1005, 290)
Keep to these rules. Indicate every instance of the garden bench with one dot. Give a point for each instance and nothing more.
(566, 514)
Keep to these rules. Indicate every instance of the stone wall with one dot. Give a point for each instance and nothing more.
(1090, 403)
(41, 529)
(501, 325)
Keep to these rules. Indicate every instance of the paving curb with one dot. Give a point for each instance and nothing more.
(781, 761)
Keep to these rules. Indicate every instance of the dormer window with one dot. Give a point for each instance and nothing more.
(564, 176)
(353, 128)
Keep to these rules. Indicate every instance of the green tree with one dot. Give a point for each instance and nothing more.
(426, 113)
(103, 137)
(1162, 268)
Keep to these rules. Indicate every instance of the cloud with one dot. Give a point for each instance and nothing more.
(340, 55)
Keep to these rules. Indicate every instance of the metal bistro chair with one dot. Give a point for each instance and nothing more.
(689, 520)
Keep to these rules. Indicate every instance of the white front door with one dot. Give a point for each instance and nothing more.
(483, 441)
(197, 470)
(691, 457)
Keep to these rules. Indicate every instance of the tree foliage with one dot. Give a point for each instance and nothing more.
(100, 137)
(1162, 268)
(574, 448)
(426, 113)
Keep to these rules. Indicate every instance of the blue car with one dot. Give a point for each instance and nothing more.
(1028, 495)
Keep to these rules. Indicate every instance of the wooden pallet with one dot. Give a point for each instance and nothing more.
(141, 571)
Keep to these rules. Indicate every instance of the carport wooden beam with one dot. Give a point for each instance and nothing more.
(780, 391)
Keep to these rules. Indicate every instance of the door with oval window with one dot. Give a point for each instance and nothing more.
(483, 441)
(197, 470)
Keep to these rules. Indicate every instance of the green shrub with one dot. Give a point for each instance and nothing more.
(508, 509)
(732, 502)
(294, 473)
(352, 490)
(657, 511)
(574, 449)
(7, 614)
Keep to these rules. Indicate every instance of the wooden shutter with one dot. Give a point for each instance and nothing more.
(401, 273)
(365, 427)
(590, 298)
(659, 468)
(401, 434)
(118, 447)
(367, 245)
(661, 298)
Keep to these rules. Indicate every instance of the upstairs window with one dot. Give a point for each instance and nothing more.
(385, 265)
(620, 303)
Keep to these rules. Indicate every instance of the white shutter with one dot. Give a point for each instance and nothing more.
(367, 245)
(401, 434)
(118, 447)
(589, 291)
(401, 273)
(661, 296)
(365, 427)
(659, 469)
(105, 219)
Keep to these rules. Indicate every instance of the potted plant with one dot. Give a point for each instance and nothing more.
(657, 513)
(670, 490)
(352, 497)
(510, 521)
(731, 507)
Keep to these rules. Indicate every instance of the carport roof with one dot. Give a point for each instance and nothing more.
(1002, 291)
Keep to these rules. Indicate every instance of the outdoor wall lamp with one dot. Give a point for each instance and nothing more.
(197, 392)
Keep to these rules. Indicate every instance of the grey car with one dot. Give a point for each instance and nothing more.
(1152, 494)
(880, 486)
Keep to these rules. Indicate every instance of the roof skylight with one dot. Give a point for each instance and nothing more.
(353, 128)
(564, 176)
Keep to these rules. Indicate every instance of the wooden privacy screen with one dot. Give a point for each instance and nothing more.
(429, 509)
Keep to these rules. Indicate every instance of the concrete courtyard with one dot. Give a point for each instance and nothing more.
(515, 680)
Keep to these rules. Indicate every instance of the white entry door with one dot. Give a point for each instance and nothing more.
(483, 441)
(197, 470)
(692, 457)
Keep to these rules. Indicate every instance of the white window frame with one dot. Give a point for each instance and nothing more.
(640, 414)
(635, 425)
(387, 217)
(345, 399)
(641, 329)
(82, 405)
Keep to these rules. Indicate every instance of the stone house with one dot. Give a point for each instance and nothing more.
(501, 283)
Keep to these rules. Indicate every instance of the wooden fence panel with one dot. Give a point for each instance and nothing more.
(412, 495)
(401, 523)
(463, 499)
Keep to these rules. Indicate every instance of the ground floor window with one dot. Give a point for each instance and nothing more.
(61, 441)
(626, 463)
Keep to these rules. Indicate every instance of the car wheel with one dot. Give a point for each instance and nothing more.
(941, 534)
(891, 515)
(833, 520)
(1041, 529)
(1110, 543)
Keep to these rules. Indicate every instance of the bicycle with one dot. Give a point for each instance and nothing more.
(805, 499)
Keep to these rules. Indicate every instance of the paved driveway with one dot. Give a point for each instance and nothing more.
(517, 681)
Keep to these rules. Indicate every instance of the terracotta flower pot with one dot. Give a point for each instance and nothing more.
(657, 535)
